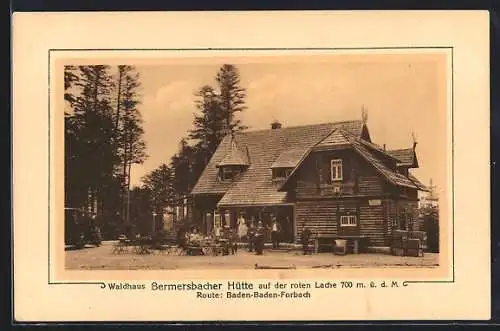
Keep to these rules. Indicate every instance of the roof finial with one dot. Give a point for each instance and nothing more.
(364, 114)
(414, 139)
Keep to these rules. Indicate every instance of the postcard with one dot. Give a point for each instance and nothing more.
(206, 167)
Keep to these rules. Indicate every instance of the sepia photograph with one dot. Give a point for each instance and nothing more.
(201, 166)
(309, 160)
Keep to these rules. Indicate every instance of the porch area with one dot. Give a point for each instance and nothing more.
(208, 217)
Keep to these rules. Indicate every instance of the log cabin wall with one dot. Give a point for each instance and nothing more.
(323, 217)
(391, 213)
(363, 194)
(314, 177)
(318, 216)
(412, 207)
(369, 185)
(372, 223)
(399, 211)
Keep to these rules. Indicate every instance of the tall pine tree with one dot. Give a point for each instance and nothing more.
(160, 183)
(89, 131)
(208, 128)
(128, 130)
(103, 135)
(232, 96)
(216, 115)
(182, 165)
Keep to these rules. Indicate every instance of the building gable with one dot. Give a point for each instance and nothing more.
(384, 163)
(406, 157)
(267, 152)
(266, 149)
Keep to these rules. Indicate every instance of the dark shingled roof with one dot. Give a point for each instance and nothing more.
(406, 157)
(289, 158)
(255, 185)
(392, 176)
(336, 138)
(285, 147)
(418, 183)
(234, 157)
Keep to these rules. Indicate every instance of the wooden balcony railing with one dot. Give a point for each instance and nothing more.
(339, 189)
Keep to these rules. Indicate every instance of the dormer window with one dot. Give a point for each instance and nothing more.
(233, 163)
(281, 173)
(336, 170)
(227, 173)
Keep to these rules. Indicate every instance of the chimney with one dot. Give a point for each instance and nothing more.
(275, 125)
(384, 147)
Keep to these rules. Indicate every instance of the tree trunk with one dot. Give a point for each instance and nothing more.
(125, 185)
(117, 120)
(128, 191)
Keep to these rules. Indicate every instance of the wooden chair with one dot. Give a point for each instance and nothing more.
(120, 247)
(340, 247)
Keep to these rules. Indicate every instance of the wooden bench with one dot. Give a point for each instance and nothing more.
(323, 240)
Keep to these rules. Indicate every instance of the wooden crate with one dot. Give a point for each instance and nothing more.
(414, 247)
(421, 235)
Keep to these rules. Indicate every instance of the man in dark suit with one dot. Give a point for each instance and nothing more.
(275, 233)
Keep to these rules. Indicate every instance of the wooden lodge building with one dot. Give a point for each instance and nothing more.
(329, 177)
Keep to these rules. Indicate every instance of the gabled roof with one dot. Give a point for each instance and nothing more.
(286, 147)
(406, 157)
(289, 158)
(418, 183)
(334, 139)
(234, 156)
(283, 146)
(367, 150)
(392, 176)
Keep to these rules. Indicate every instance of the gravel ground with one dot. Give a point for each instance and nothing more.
(102, 258)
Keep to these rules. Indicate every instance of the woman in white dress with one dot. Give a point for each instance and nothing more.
(242, 227)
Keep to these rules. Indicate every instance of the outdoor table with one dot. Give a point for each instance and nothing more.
(355, 239)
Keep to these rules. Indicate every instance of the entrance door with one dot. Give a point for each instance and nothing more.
(286, 220)
(402, 220)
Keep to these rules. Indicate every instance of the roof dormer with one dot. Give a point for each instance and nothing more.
(234, 162)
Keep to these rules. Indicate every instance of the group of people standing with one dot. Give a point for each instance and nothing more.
(255, 235)
(251, 232)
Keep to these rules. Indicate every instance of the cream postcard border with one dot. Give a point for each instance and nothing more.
(466, 298)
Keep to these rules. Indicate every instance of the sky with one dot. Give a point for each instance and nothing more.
(402, 94)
